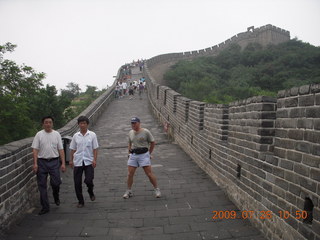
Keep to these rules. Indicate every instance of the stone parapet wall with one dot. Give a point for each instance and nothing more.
(297, 152)
(264, 152)
(216, 119)
(18, 186)
(264, 35)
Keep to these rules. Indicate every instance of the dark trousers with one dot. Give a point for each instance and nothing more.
(88, 180)
(45, 168)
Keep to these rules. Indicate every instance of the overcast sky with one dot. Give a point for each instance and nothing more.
(86, 41)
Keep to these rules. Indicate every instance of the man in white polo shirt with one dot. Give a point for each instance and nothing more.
(46, 148)
(84, 153)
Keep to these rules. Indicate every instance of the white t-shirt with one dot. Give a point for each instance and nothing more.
(84, 145)
(124, 85)
(48, 144)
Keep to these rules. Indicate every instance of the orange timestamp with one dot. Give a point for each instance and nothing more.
(257, 214)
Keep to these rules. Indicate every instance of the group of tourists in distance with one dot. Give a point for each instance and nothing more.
(128, 86)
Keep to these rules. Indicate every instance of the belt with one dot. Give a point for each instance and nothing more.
(139, 150)
(49, 159)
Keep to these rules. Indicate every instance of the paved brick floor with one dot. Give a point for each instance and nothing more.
(183, 212)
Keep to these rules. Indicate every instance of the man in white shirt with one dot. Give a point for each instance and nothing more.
(124, 86)
(47, 147)
(84, 153)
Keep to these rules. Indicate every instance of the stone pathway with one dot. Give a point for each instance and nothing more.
(183, 212)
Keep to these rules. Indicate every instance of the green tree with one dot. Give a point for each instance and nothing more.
(91, 91)
(237, 74)
(24, 100)
(17, 85)
(74, 89)
(47, 102)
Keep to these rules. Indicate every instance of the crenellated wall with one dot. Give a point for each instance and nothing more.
(264, 35)
(264, 152)
(18, 185)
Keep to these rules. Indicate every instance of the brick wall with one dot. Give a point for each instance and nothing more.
(264, 152)
(297, 152)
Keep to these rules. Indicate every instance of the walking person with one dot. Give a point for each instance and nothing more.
(84, 153)
(116, 91)
(120, 90)
(124, 87)
(141, 87)
(47, 149)
(131, 90)
(140, 147)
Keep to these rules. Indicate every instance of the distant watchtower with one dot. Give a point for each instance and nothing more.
(250, 29)
(265, 35)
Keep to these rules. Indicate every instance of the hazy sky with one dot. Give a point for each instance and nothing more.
(86, 41)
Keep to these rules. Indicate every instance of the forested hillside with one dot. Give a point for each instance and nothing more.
(24, 100)
(235, 74)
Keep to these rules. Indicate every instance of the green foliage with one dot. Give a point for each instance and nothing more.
(235, 74)
(47, 102)
(73, 90)
(17, 85)
(24, 100)
(81, 102)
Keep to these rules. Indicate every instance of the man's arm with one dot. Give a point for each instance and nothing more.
(35, 159)
(63, 160)
(129, 149)
(152, 144)
(71, 157)
(95, 156)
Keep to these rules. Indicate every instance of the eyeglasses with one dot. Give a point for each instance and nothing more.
(133, 122)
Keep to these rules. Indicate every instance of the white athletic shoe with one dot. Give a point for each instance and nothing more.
(157, 192)
(127, 194)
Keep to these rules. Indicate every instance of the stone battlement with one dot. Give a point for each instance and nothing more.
(264, 35)
(264, 152)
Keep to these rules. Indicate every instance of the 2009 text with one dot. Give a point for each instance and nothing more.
(257, 214)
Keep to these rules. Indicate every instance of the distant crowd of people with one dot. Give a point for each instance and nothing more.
(139, 63)
(127, 86)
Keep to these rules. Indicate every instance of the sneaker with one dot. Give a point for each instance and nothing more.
(127, 194)
(157, 192)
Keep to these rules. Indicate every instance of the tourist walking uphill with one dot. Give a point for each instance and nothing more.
(141, 88)
(141, 145)
(47, 148)
(84, 153)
